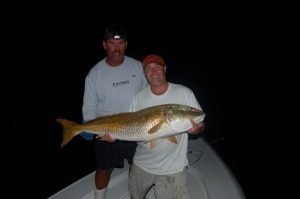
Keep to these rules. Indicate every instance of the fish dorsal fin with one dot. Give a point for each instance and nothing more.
(155, 128)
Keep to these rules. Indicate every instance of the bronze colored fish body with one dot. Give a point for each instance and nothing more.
(144, 125)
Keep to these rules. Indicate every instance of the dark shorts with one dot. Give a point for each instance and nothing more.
(112, 155)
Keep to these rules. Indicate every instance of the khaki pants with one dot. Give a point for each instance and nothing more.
(173, 186)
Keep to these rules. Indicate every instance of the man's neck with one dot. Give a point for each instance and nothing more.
(114, 62)
(159, 90)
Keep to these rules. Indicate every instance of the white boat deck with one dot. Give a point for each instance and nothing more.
(208, 178)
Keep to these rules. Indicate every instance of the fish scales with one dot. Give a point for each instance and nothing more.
(144, 125)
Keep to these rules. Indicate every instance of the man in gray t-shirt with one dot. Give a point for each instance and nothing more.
(109, 88)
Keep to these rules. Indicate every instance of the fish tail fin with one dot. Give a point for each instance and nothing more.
(68, 132)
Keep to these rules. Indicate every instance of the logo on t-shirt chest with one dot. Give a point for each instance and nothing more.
(121, 83)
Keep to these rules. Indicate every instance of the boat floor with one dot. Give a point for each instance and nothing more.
(208, 177)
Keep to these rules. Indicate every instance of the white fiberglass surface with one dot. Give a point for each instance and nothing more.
(208, 177)
(118, 186)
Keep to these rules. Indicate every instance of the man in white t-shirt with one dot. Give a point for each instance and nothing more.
(164, 165)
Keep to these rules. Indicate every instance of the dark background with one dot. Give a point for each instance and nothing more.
(231, 58)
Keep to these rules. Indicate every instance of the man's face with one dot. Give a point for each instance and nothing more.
(115, 47)
(155, 74)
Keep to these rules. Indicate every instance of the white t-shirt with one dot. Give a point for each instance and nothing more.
(166, 157)
(109, 90)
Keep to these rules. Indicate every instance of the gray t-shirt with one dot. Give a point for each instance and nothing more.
(109, 90)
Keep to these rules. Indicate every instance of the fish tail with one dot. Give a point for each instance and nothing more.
(68, 131)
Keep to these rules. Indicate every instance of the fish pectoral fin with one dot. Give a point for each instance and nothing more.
(155, 128)
(172, 139)
(154, 143)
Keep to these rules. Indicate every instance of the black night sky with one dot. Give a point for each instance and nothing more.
(228, 58)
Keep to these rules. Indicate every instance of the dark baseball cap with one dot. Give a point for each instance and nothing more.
(114, 31)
